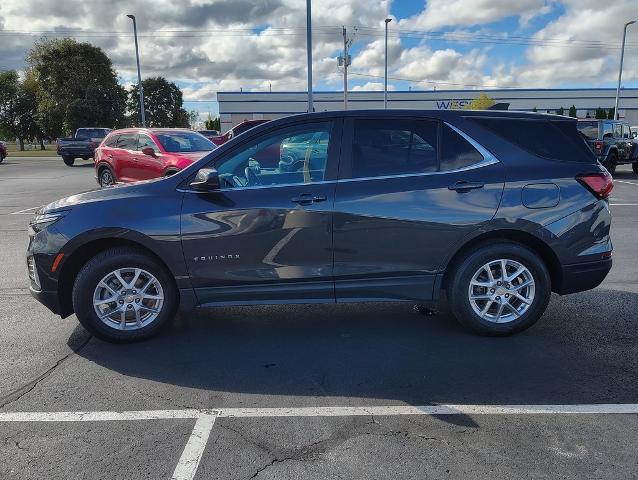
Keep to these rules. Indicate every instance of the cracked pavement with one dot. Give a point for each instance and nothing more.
(584, 350)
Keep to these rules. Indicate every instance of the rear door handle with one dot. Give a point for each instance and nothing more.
(463, 186)
(307, 199)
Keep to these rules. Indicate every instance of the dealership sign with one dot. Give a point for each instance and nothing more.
(452, 104)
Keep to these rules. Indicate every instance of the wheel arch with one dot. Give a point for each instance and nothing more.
(524, 238)
(74, 261)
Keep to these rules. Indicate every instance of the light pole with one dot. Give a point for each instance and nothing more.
(385, 76)
(622, 55)
(139, 75)
(309, 52)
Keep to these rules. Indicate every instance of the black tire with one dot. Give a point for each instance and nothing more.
(68, 161)
(463, 271)
(170, 173)
(1, 158)
(86, 158)
(103, 177)
(634, 167)
(610, 162)
(101, 265)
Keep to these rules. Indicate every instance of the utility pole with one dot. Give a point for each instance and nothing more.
(139, 75)
(385, 75)
(344, 62)
(622, 55)
(309, 52)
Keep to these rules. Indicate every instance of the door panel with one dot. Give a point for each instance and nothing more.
(393, 234)
(266, 239)
(123, 155)
(147, 166)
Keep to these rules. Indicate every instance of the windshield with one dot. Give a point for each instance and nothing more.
(86, 133)
(589, 129)
(184, 142)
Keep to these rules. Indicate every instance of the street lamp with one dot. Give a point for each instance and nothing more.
(385, 77)
(622, 55)
(309, 52)
(139, 75)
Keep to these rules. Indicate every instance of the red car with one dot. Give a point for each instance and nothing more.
(236, 130)
(136, 154)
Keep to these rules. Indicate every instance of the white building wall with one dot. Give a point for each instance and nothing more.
(235, 107)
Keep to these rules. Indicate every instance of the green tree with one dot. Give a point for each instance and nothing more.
(482, 102)
(600, 113)
(18, 109)
(163, 103)
(534, 109)
(572, 111)
(560, 111)
(612, 114)
(76, 87)
(213, 124)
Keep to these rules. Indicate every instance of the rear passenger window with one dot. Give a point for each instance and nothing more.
(554, 140)
(127, 141)
(456, 152)
(111, 141)
(383, 147)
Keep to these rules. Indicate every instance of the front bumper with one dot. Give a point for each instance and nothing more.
(48, 299)
(583, 276)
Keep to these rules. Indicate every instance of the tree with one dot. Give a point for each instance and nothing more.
(18, 108)
(482, 102)
(76, 87)
(600, 113)
(572, 111)
(213, 124)
(560, 111)
(163, 103)
(193, 118)
(534, 109)
(612, 114)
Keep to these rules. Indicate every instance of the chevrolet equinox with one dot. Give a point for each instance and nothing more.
(491, 210)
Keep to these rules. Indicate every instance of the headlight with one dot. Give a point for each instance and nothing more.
(43, 220)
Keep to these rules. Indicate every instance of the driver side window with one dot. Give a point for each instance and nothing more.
(285, 157)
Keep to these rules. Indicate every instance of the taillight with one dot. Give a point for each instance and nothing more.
(600, 183)
(599, 146)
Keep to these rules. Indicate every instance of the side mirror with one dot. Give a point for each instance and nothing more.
(206, 180)
(148, 151)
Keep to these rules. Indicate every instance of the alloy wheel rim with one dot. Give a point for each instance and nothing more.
(501, 291)
(128, 299)
(106, 178)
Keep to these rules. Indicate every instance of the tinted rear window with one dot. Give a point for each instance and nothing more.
(554, 140)
(589, 129)
(456, 152)
(86, 133)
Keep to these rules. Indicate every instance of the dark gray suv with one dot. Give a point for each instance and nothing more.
(494, 209)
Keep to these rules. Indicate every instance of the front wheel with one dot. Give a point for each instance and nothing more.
(68, 161)
(124, 295)
(499, 289)
(106, 177)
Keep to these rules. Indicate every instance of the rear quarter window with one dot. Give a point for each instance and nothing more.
(550, 139)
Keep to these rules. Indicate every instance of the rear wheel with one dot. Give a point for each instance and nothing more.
(499, 289)
(68, 161)
(634, 167)
(1, 157)
(106, 177)
(124, 295)
(610, 162)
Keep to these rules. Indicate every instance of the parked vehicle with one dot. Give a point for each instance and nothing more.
(135, 154)
(3, 151)
(209, 134)
(82, 145)
(497, 209)
(611, 141)
(236, 130)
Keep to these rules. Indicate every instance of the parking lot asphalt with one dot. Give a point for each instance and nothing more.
(584, 351)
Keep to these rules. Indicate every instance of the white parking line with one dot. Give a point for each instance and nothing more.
(622, 204)
(626, 181)
(188, 463)
(26, 211)
(392, 410)
(194, 449)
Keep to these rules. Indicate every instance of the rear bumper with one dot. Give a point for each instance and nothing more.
(583, 276)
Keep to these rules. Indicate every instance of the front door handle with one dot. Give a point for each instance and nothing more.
(462, 186)
(307, 199)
